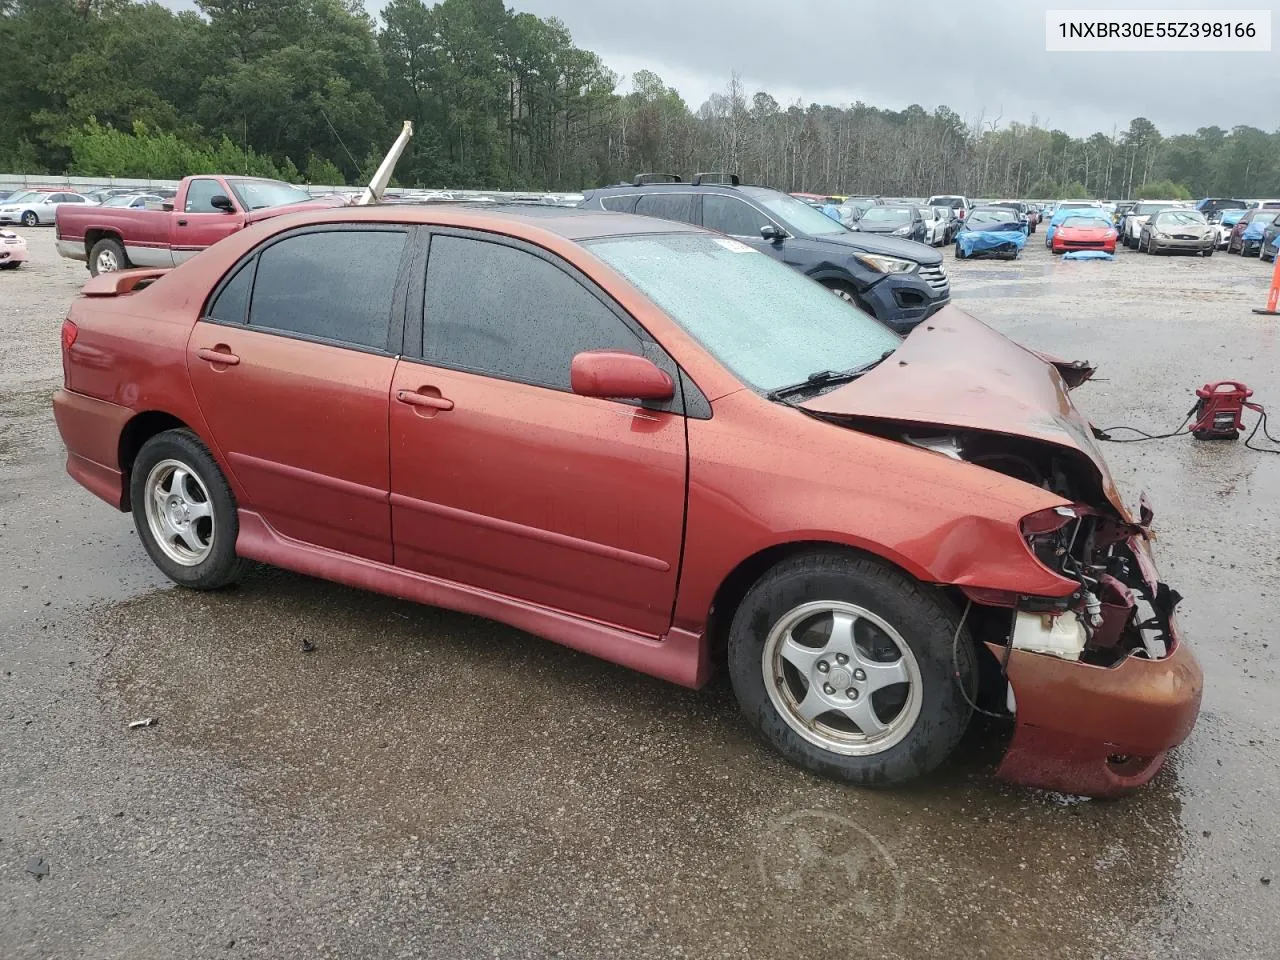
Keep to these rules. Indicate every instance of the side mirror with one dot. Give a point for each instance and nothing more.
(772, 233)
(222, 202)
(613, 375)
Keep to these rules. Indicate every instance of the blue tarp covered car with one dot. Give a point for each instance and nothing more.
(991, 231)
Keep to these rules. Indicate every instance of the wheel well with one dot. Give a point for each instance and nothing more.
(137, 432)
(734, 587)
(93, 236)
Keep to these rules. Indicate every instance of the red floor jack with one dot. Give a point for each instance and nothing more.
(1217, 412)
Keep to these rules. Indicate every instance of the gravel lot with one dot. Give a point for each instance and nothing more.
(428, 784)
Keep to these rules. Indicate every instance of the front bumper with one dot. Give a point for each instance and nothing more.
(1100, 731)
(1201, 243)
(902, 301)
(1063, 246)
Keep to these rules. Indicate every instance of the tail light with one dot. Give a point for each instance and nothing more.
(69, 333)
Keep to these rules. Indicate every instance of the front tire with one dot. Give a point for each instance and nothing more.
(107, 256)
(184, 511)
(848, 295)
(30, 219)
(845, 666)
(960, 254)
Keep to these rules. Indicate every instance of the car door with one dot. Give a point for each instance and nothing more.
(505, 480)
(47, 208)
(291, 364)
(200, 224)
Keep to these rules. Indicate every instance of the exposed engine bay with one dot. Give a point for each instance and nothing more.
(1119, 609)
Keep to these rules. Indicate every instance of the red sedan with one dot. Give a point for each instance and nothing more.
(1084, 233)
(656, 445)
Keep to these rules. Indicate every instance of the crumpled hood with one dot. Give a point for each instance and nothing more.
(955, 371)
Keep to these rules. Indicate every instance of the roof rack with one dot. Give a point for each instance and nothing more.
(725, 179)
(642, 178)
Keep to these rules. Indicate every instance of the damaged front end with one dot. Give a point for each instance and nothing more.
(1098, 681)
(1096, 676)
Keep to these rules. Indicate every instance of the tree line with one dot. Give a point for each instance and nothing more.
(314, 90)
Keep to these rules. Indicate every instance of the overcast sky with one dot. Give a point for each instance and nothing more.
(980, 57)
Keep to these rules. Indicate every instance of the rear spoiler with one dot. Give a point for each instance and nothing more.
(120, 282)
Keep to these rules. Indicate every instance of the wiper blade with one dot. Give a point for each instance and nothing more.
(826, 378)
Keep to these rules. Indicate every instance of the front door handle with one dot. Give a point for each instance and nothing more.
(427, 401)
(182, 223)
(220, 355)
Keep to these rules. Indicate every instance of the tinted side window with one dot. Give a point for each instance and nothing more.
(733, 216)
(498, 310)
(199, 195)
(623, 203)
(232, 302)
(669, 206)
(337, 286)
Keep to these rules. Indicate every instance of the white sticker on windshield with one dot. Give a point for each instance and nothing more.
(733, 246)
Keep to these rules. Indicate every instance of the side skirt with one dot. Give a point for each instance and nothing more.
(680, 656)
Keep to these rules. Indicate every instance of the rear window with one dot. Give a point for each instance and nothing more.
(333, 286)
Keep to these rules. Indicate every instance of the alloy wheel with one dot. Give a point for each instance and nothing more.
(842, 678)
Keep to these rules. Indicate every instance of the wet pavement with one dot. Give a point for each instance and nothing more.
(429, 784)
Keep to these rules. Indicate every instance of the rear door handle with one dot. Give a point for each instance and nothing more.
(427, 400)
(221, 354)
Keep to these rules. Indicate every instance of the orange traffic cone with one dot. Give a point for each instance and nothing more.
(1273, 297)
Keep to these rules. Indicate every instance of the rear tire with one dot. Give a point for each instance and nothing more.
(184, 511)
(107, 256)
(845, 666)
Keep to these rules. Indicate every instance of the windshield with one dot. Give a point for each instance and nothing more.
(999, 215)
(1181, 218)
(22, 195)
(771, 326)
(1146, 209)
(797, 215)
(887, 215)
(260, 194)
(1231, 217)
(951, 202)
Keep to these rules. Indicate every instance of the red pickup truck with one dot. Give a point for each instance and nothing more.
(205, 209)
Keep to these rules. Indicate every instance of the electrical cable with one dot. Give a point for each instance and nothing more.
(1261, 425)
(1182, 428)
(955, 666)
